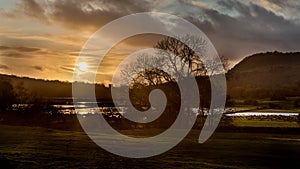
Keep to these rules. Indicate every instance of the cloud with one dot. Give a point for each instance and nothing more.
(92, 14)
(288, 8)
(39, 68)
(3, 66)
(77, 14)
(32, 9)
(67, 68)
(14, 54)
(29, 8)
(19, 49)
(238, 29)
(144, 40)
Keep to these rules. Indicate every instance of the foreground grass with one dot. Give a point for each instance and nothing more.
(279, 110)
(244, 122)
(260, 109)
(35, 147)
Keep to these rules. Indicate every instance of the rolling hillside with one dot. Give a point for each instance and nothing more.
(50, 89)
(271, 74)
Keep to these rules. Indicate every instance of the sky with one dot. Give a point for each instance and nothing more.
(42, 38)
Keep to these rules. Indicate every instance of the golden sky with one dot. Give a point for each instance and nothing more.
(42, 38)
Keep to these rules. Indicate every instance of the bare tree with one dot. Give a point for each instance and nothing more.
(183, 48)
(215, 67)
(137, 74)
(182, 59)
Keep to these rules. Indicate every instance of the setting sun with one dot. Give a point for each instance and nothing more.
(83, 66)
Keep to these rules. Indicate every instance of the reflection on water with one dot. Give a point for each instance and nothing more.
(262, 114)
(88, 108)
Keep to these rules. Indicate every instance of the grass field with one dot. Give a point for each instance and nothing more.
(35, 147)
(264, 123)
(286, 104)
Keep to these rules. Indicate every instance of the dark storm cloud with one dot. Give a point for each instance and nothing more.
(92, 14)
(254, 29)
(77, 14)
(72, 15)
(237, 28)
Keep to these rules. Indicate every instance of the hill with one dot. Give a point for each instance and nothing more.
(50, 88)
(270, 74)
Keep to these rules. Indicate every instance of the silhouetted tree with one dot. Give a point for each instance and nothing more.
(184, 48)
(182, 62)
(7, 95)
(22, 94)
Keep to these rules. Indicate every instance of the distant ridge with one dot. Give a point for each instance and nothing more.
(271, 74)
(51, 88)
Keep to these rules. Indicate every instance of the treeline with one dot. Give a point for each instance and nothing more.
(46, 89)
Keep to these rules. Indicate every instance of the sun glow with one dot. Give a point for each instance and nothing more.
(83, 66)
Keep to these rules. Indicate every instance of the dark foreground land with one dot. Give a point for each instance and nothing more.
(38, 147)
